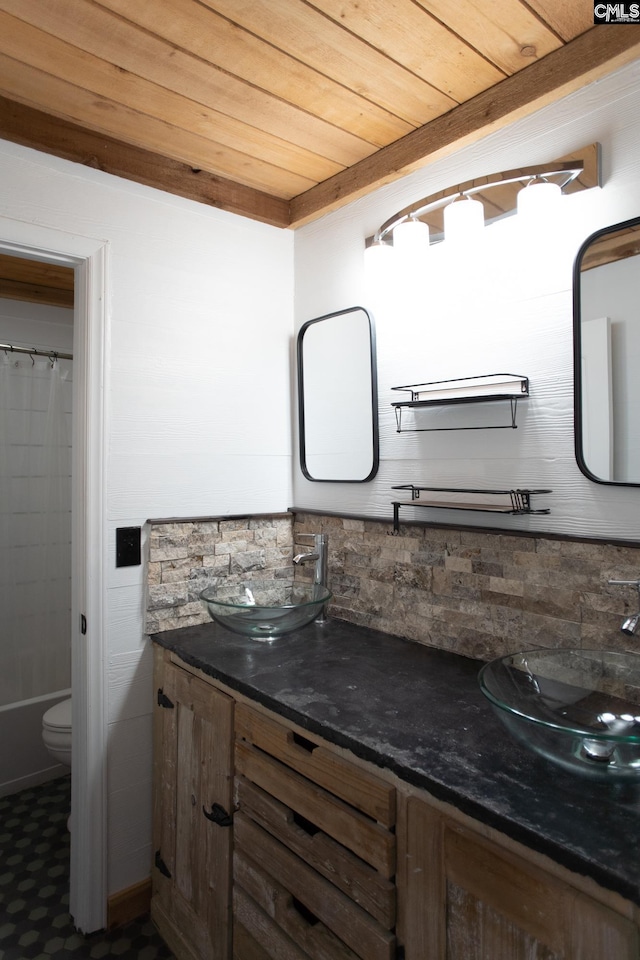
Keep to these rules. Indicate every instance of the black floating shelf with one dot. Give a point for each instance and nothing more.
(519, 501)
(490, 388)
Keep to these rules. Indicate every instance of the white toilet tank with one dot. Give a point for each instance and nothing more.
(56, 731)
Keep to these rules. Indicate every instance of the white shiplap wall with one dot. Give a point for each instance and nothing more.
(198, 398)
(505, 306)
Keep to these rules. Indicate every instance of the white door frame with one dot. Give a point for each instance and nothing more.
(89, 257)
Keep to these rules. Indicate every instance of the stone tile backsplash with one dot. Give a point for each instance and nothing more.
(185, 556)
(478, 593)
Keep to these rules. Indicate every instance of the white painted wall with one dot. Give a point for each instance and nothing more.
(505, 306)
(198, 403)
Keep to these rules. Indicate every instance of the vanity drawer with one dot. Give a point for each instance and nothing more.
(330, 793)
(363, 884)
(280, 931)
(300, 906)
(360, 789)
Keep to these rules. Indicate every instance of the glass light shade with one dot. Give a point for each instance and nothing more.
(538, 199)
(379, 267)
(377, 253)
(411, 237)
(463, 218)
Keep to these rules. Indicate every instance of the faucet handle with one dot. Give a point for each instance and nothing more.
(314, 538)
(627, 583)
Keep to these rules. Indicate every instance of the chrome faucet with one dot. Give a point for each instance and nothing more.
(319, 555)
(631, 624)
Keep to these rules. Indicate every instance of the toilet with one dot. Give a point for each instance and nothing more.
(56, 731)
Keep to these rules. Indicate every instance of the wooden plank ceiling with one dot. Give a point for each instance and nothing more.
(284, 109)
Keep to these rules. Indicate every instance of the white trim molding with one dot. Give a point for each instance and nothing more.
(88, 895)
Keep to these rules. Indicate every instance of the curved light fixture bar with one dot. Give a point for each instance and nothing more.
(498, 191)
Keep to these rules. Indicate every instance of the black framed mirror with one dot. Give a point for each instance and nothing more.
(606, 294)
(338, 397)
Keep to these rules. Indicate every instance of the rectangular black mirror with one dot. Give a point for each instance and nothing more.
(338, 397)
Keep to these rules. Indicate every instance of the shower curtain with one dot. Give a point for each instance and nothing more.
(35, 527)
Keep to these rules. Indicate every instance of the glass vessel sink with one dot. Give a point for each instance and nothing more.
(578, 708)
(264, 609)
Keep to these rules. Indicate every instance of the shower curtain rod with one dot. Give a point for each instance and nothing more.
(34, 352)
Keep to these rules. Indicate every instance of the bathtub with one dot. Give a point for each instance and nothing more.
(24, 761)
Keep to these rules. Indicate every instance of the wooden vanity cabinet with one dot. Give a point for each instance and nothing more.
(193, 787)
(465, 897)
(336, 860)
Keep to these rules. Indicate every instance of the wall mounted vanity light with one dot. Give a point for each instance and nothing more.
(464, 209)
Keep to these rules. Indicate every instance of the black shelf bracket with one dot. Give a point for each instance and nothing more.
(492, 388)
(519, 502)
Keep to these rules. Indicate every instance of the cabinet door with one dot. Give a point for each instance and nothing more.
(468, 899)
(192, 837)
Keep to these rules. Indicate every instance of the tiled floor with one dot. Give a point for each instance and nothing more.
(34, 887)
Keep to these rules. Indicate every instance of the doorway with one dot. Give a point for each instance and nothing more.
(89, 259)
(36, 383)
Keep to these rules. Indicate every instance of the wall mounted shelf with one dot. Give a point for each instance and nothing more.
(506, 387)
(519, 502)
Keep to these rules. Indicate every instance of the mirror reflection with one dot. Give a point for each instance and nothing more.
(337, 397)
(607, 354)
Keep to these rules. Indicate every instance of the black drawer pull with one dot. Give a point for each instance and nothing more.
(307, 745)
(306, 825)
(304, 912)
(218, 815)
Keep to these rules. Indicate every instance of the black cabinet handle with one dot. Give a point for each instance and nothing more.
(218, 815)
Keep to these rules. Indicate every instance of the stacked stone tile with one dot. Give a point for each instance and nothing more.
(186, 556)
(480, 593)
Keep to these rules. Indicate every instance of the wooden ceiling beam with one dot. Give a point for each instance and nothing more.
(24, 270)
(35, 281)
(35, 293)
(33, 128)
(590, 56)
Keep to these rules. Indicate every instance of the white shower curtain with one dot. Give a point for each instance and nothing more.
(35, 527)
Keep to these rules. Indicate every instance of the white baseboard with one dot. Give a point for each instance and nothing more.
(33, 779)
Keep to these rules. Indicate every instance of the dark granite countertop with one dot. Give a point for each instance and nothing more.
(419, 712)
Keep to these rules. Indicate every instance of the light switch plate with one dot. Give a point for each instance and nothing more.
(128, 553)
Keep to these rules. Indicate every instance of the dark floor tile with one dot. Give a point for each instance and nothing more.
(34, 887)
